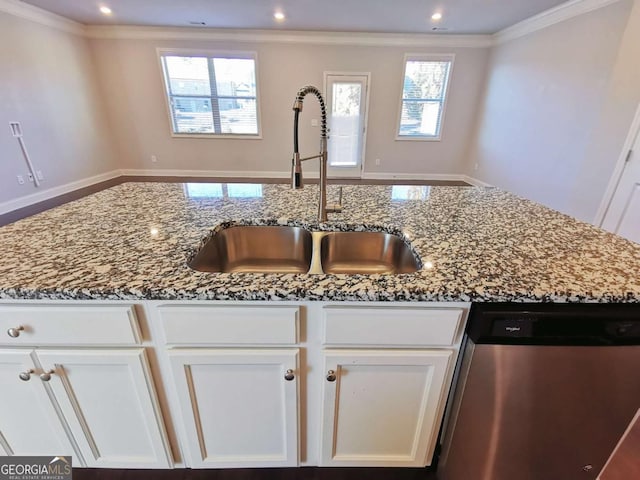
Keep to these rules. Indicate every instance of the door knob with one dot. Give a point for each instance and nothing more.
(331, 376)
(25, 376)
(289, 375)
(14, 332)
(46, 376)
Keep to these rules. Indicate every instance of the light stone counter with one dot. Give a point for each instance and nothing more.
(476, 244)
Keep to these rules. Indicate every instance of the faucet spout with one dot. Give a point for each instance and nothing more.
(296, 162)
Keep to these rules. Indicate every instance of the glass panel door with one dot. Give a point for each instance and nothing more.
(346, 99)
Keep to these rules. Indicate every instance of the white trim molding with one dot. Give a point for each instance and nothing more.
(634, 131)
(475, 182)
(562, 12)
(49, 193)
(290, 37)
(41, 16)
(205, 173)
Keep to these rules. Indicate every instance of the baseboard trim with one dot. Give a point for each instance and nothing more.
(204, 173)
(475, 182)
(414, 176)
(49, 193)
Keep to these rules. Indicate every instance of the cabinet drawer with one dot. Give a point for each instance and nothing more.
(69, 325)
(229, 325)
(390, 326)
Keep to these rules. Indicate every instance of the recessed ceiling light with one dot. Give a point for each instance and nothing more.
(278, 16)
(436, 16)
(105, 10)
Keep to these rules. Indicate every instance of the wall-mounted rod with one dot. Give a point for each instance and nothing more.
(17, 133)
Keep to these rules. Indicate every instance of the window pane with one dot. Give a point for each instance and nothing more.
(192, 115)
(420, 118)
(425, 79)
(188, 75)
(235, 77)
(344, 142)
(238, 115)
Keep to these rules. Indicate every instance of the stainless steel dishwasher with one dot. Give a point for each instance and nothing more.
(544, 391)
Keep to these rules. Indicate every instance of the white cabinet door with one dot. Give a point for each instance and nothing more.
(29, 423)
(238, 408)
(108, 400)
(383, 408)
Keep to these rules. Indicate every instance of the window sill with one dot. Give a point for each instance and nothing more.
(418, 139)
(210, 136)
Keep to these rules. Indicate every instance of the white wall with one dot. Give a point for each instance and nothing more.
(131, 80)
(545, 96)
(620, 103)
(47, 84)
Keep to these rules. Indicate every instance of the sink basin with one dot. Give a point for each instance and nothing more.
(366, 253)
(256, 249)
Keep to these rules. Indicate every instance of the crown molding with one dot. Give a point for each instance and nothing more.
(43, 17)
(292, 37)
(562, 12)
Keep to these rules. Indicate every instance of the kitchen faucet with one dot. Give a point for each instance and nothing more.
(296, 163)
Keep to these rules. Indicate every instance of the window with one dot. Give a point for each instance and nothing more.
(425, 84)
(211, 94)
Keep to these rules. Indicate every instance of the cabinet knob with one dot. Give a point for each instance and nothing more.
(46, 376)
(331, 376)
(14, 332)
(288, 376)
(26, 376)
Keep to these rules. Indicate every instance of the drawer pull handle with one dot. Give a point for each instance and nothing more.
(46, 376)
(26, 376)
(331, 376)
(14, 332)
(288, 376)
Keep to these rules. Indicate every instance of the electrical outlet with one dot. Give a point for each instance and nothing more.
(476, 166)
(39, 175)
(154, 159)
(20, 179)
(314, 122)
(377, 162)
(30, 177)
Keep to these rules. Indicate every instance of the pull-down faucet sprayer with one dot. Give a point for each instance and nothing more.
(296, 163)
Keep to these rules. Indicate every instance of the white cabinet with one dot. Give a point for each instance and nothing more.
(240, 407)
(382, 408)
(108, 401)
(238, 393)
(96, 404)
(29, 423)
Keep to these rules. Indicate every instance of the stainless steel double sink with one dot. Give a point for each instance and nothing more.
(289, 249)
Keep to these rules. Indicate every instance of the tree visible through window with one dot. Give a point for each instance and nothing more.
(211, 94)
(423, 95)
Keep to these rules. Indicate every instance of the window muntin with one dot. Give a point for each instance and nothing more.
(424, 91)
(211, 94)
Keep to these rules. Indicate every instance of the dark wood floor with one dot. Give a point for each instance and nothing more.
(20, 213)
(304, 473)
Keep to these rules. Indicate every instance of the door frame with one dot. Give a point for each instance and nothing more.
(616, 176)
(366, 107)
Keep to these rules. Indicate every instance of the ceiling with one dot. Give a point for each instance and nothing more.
(393, 16)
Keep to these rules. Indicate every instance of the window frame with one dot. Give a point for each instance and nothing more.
(232, 54)
(425, 57)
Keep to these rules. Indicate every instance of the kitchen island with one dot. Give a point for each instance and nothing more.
(125, 357)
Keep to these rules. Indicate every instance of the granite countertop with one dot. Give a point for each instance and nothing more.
(477, 244)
